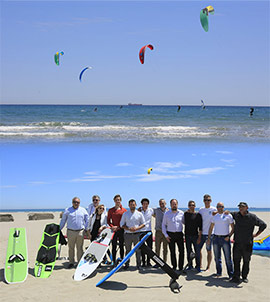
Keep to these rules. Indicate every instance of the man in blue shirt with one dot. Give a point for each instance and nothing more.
(77, 219)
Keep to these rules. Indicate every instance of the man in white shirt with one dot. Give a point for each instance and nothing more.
(77, 219)
(132, 222)
(147, 214)
(92, 206)
(206, 213)
(172, 228)
(220, 223)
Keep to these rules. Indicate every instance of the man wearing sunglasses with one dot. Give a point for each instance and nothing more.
(221, 223)
(243, 240)
(92, 206)
(206, 213)
(77, 219)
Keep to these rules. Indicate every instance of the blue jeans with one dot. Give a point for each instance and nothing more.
(219, 243)
(204, 240)
(192, 240)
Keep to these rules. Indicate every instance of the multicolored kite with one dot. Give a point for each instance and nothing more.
(56, 57)
(204, 16)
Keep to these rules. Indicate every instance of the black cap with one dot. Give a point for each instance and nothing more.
(243, 204)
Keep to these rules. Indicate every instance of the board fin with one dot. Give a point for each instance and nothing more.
(16, 233)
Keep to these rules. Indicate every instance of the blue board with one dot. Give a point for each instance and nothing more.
(263, 244)
(125, 259)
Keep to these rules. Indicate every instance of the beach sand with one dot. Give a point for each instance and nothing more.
(150, 285)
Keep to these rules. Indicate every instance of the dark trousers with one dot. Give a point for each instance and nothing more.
(149, 243)
(118, 235)
(241, 251)
(192, 240)
(177, 238)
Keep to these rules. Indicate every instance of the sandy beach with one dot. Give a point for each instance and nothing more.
(150, 285)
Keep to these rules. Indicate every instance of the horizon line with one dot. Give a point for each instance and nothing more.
(134, 105)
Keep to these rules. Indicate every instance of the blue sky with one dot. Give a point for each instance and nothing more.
(229, 65)
(50, 175)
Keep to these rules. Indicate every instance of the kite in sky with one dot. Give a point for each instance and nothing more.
(149, 170)
(82, 72)
(56, 57)
(142, 52)
(204, 16)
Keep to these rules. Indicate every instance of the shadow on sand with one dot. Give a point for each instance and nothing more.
(2, 277)
(212, 280)
(113, 285)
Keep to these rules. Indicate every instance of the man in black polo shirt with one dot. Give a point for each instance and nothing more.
(193, 226)
(243, 240)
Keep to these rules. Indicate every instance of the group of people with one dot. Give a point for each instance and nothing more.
(210, 225)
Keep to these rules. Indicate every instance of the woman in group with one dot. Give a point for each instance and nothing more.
(97, 222)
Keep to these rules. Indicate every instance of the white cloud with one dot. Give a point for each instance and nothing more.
(224, 152)
(91, 173)
(84, 179)
(98, 178)
(167, 166)
(158, 177)
(203, 171)
(228, 161)
(38, 183)
(8, 187)
(123, 165)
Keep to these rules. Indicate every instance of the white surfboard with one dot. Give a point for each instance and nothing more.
(94, 255)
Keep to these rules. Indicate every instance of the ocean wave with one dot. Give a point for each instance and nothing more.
(33, 134)
(81, 131)
(56, 124)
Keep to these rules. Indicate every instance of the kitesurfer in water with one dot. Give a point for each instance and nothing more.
(179, 108)
(251, 111)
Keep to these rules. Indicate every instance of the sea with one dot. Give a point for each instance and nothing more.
(135, 123)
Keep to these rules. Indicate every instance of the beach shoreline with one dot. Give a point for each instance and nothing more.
(151, 284)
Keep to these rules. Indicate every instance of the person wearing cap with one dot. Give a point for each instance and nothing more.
(221, 223)
(77, 219)
(243, 240)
